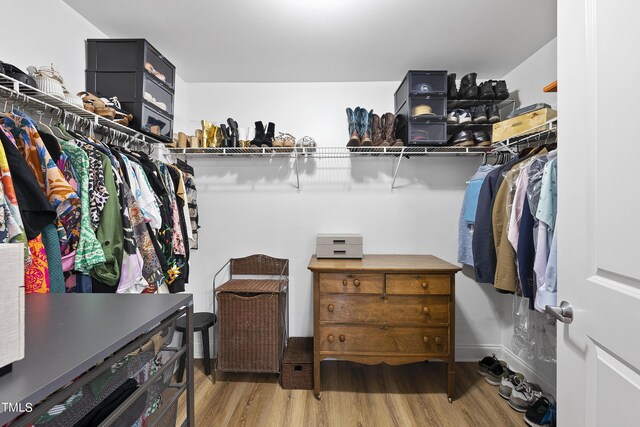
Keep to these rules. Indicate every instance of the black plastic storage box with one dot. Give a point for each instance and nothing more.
(421, 104)
(141, 78)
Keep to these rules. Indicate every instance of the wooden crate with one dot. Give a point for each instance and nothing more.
(522, 125)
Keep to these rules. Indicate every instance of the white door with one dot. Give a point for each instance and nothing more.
(599, 212)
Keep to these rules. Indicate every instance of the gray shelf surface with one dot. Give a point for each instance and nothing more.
(68, 334)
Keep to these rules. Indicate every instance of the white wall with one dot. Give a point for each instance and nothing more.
(52, 32)
(251, 206)
(529, 78)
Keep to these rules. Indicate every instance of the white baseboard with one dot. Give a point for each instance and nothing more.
(471, 353)
(530, 373)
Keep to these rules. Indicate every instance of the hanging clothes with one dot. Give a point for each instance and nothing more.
(468, 215)
(89, 252)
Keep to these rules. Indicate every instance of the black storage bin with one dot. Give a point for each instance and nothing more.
(421, 107)
(124, 68)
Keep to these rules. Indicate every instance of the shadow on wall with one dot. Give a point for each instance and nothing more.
(442, 173)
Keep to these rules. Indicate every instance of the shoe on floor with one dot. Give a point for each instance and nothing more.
(482, 138)
(524, 395)
(464, 117)
(493, 113)
(508, 383)
(496, 372)
(542, 413)
(479, 114)
(488, 361)
(463, 139)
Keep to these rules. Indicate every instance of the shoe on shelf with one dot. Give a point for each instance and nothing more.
(468, 87)
(482, 138)
(463, 139)
(493, 114)
(485, 90)
(464, 117)
(259, 135)
(542, 413)
(501, 90)
(377, 131)
(524, 395)
(479, 114)
(487, 362)
(389, 123)
(452, 116)
(354, 135)
(508, 383)
(452, 91)
(267, 141)
(233, 133)
(365, 121)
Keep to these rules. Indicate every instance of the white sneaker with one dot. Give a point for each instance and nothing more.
(508, 383)
(452, 117)
(524, 395)
(464, 116)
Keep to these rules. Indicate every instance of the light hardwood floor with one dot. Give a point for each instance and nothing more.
(353, 395)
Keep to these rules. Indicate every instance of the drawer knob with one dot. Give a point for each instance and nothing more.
(426, 340)
(344, 282)
(425, 310)
(356, 283)
(438, 341)
(330, 338)
(342, 338)
(425, 285)
(330, 307)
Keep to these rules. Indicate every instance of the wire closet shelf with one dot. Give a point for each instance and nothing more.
(536, 135)
(44, 106)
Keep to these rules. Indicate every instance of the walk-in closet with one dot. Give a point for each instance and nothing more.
(318, 213)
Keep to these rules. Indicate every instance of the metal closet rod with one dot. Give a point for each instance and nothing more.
(41, 109)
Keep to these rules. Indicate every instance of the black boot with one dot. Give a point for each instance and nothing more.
(257, 141)
(226, 136)
(268, 136)
(233, 133)
(468, 87)
(452, 91)
(486, 90)
(501, 90)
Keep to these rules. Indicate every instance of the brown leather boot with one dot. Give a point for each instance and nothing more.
(377, 131)
(388, 122)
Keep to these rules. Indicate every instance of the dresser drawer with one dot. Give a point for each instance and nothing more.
(418, 284)
(384, 339)
(352, 283)
(431, 310)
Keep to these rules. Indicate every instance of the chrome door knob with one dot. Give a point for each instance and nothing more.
(564, 313)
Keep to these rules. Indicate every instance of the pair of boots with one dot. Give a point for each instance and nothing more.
(469, 89)
(384, 131)
(264, 138)
(360, 124)
(220, 136)
(230, 135)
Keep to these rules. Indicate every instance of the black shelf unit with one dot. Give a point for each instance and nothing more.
(468, 103)
(422, 90)
(117, 67)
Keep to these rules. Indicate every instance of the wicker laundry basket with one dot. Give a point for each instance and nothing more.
(252, 316)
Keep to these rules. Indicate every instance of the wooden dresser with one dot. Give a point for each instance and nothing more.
(392, 309)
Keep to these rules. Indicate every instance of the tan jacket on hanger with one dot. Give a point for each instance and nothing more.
(506, 277)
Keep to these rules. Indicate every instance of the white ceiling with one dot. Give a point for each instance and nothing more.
(329, 40)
